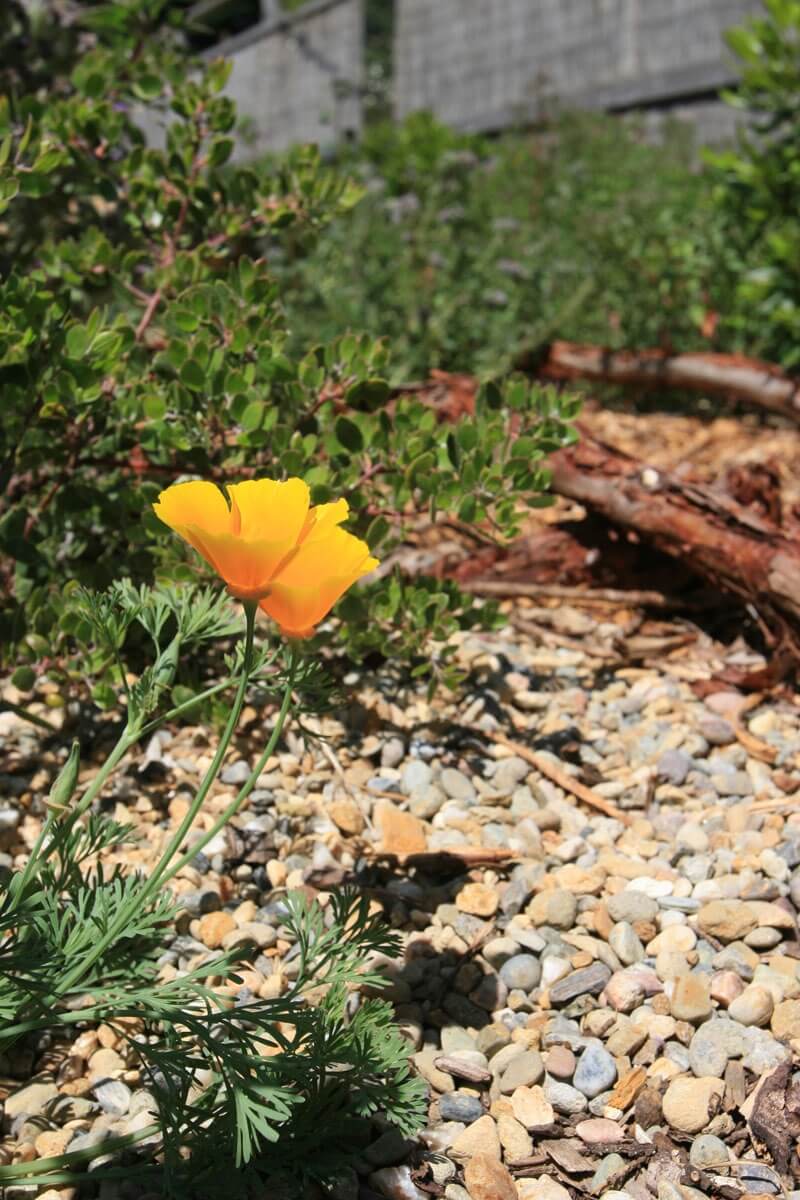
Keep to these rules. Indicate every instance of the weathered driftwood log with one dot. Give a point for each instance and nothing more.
(728, 544)
(733, 375)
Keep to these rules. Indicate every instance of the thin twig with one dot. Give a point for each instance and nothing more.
(603, 596)
(148, 314)
(561, 778)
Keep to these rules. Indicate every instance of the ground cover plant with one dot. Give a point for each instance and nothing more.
(81, 942)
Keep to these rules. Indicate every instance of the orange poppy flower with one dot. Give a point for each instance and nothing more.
(269, 545)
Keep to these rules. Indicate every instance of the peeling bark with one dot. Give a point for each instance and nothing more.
(736, 549)
(733, 375)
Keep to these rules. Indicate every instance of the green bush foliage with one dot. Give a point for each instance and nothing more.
(759, 181)
(143, 337)
(467, 251)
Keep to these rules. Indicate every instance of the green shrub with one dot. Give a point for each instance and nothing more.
(759, 181)
(143, 337)
(467, 250)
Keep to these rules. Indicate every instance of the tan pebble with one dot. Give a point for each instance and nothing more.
(77, 1087)
(691, 998)
(487, 1179)
(106, 1064)
(52, 1142)
(532, 1108)
(25, 1152)
(245, 912)
(785, 1023)
(581, 881)
(346, 816)
(771, 916)
(727, 920)
(85, 1045)
(543, 1188)
(598, 1131)
(295, 878)
(753, 1007)
(478, 900)
(689, 1103)
(400, 832)
(273, 986)
(212, 928)
(725, 987)
(478, 1138)
(107, 1037)
(602, 922)
(663, 1069)
(276, 872)
(514, 1138)
(678, 938)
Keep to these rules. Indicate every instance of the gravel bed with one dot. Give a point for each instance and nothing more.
(601, 1005)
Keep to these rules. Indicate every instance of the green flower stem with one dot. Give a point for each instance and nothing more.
(251, 780)
(60, 1162)
(125, 914)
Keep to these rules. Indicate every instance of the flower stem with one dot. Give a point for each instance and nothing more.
(141, 898)
(251, 780)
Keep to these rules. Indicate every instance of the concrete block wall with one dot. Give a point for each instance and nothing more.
(297, 77)
(486, 64)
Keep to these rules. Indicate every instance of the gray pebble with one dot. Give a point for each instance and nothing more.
(522, 971)
(457, 785)
(716, 730)
(596, 1071)
(426, 801)
(113, 1096)
(585, 981)
(673, 766)
(460, 1106)
(709, 1152)
(626, 943)
(524, 1070)
(238, 773)
(416, 775)
(564, 1098)
(392, 752)
(632, 906)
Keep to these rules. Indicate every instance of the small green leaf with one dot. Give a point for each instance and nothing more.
(252, 416)
(77, 342)
(348, 435)
(193, 375)
(154, 407)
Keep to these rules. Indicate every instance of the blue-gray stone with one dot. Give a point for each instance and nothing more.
(522, 971)
(596, 1071)
(460, 1106)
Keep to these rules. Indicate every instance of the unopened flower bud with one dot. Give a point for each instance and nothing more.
(66, 781)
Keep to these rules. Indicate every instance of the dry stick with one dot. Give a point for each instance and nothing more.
(746, 379)
(603, 596)
(562, 779)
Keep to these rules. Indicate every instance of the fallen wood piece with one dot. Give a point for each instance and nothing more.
(736, 549)
(561, 779)
(602, 596)
(470, 856)
(733, 375)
